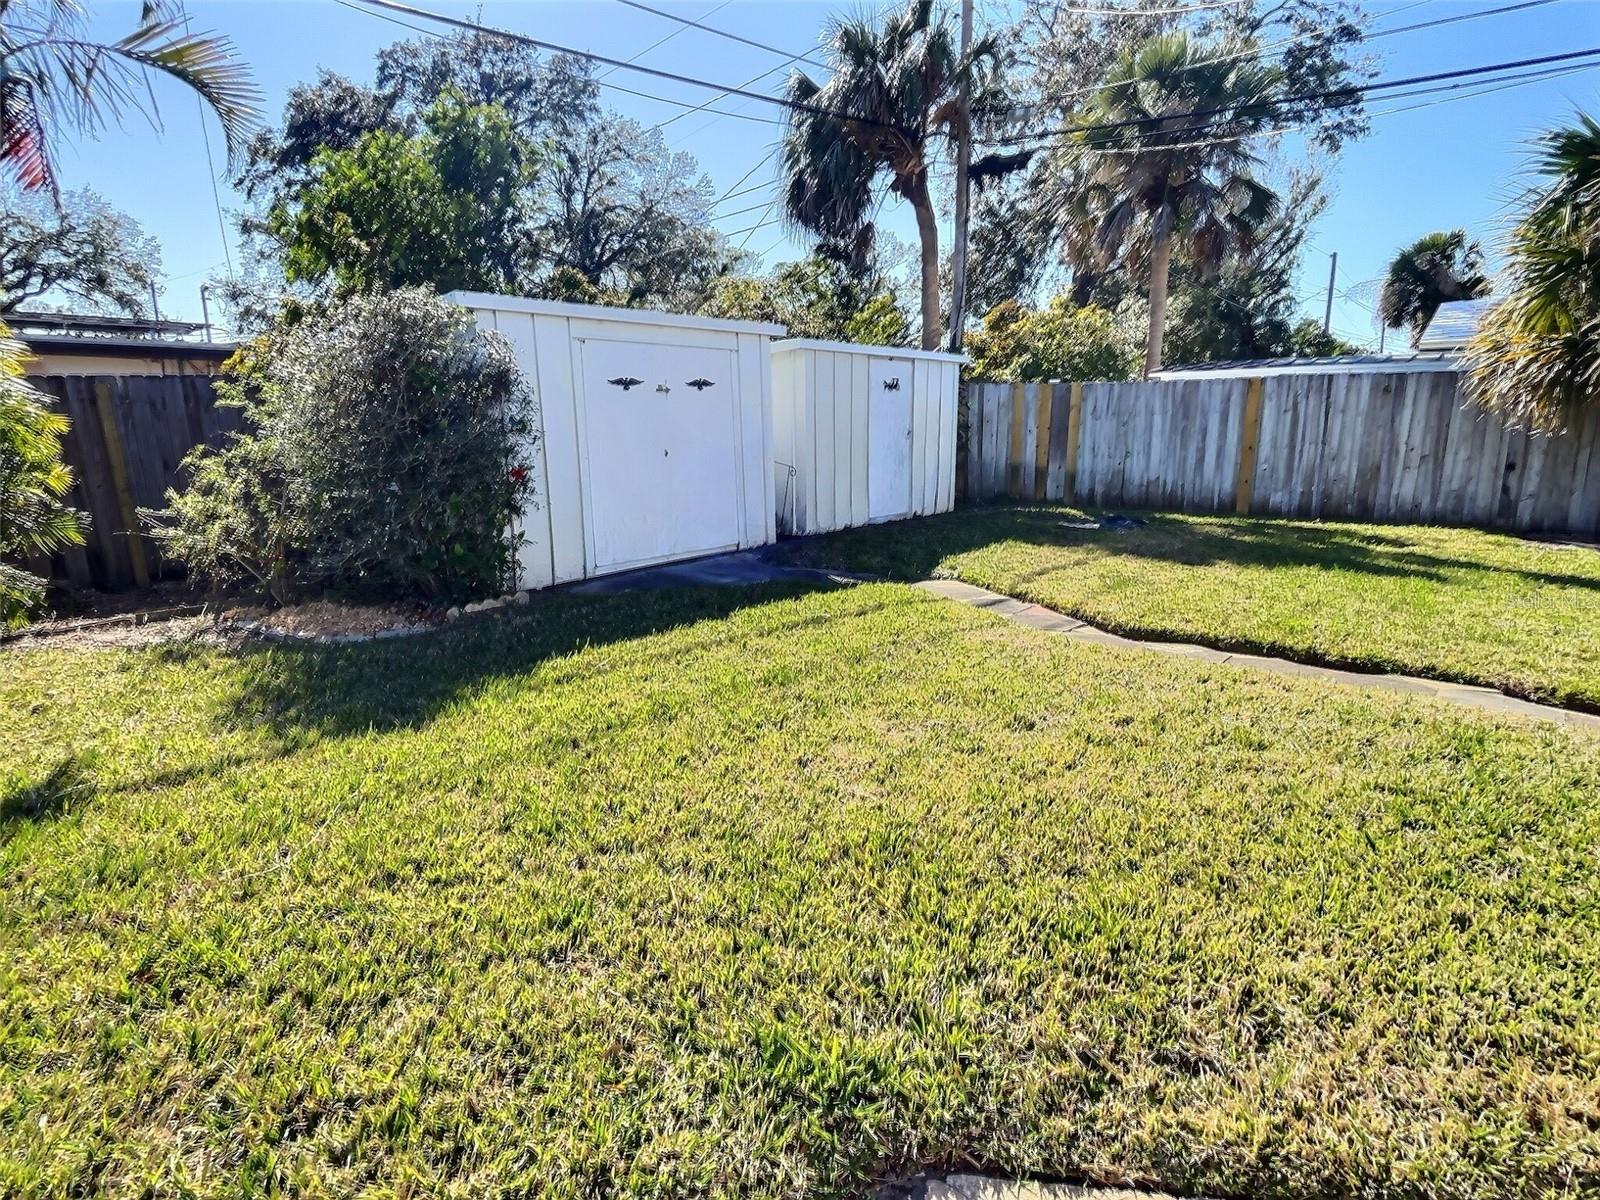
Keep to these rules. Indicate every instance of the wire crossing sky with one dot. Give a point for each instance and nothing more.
(1443, 160)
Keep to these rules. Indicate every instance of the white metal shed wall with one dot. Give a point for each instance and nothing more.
(548, 338)
(834, 420)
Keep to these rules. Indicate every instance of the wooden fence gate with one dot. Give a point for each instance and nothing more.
(128, 435)
(1391, 446)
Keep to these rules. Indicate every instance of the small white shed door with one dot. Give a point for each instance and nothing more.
(888, 438)
(661, 442)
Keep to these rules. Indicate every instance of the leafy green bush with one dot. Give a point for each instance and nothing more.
(385, 458)
(818, 297)
(1059, 341)
(34, 519)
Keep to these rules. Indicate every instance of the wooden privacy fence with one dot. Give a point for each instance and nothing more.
(1401, 446)
(128, 435)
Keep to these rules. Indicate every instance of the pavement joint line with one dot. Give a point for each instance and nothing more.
(1462, 695)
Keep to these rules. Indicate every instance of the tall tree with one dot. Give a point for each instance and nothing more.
(544, 97)
(52, 73)
(893, 93)
(1435, 268)
(1066, 52)
(831, 295)
(81, 248)
(1164, 162)
(610, 215)
(630, 217)
(1536, 356)
(439, 209)
(1248, 309)
(1029, 232)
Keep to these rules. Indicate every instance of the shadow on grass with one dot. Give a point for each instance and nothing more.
(67, 784)
(304, 691)
(916, 549)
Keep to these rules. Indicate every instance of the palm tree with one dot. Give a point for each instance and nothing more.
(1160, 162)
(1536, 356)
(51, 73)
(1435, 268)
(893, 91)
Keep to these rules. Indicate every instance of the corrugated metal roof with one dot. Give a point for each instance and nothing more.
(1453, 324)
(1333, 365)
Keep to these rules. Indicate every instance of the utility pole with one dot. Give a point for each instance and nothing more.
(1333, 270)
(958, 251)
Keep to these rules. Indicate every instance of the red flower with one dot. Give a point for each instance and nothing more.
(519, 475)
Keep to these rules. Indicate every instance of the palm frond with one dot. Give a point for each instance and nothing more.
(206, 63)
(51, 72)
(1536, 355)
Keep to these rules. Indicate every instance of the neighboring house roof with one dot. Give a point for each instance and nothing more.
(1454, 324)
(1341, 364)
(89, 325)
(114, 337)
(113, 347)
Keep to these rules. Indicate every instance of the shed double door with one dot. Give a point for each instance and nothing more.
(888, 438)
(661, 439)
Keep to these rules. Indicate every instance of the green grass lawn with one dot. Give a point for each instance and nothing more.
(1454, 604)
(653, 895)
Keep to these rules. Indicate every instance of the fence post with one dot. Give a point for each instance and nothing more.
(1249, 435)
(118, 465)
(1041, 441)
(1074, 426)
(1019, 424)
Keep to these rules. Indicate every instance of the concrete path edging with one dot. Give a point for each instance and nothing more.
(1036, 616)
(985, 1187)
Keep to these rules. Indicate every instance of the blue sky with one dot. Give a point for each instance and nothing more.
(1443, 166)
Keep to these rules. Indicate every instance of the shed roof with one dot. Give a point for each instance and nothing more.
(492, 301)
(1453, 324)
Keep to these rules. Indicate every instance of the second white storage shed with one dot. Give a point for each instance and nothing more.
(655, 434)
(862, 433)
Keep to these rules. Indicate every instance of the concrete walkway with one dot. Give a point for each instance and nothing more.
(1038, 617)
(738, 568)
(983, 1187)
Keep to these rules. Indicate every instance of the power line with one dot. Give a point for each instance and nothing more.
(211, 166)
(1364, 37)
(1148, 12)
(717, 111)
(1468, 16)
(1352, 90)
(688, 107)
(675, 77)
(739, 212)
(659, 42)
(725, 34)
(600, 81)
(1503, 83)
(749, 229)
(759, 163)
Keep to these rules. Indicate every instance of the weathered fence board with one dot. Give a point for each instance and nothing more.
(127, 438)
(1401, 446)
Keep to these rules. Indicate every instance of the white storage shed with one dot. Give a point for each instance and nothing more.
(862, 433)
(655, 434)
